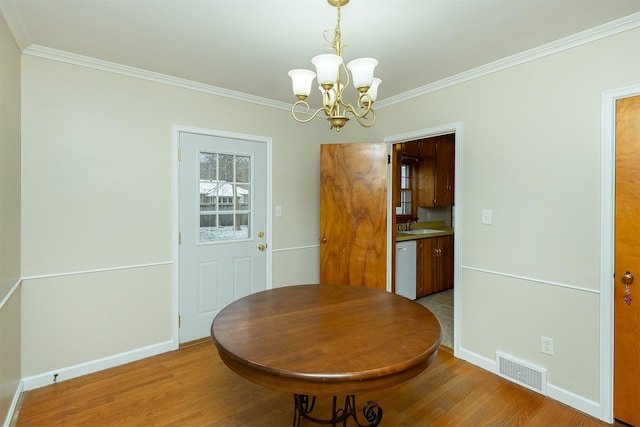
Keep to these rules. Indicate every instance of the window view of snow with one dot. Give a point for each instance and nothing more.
(225, 197)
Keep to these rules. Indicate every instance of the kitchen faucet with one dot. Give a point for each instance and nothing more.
(408, 226)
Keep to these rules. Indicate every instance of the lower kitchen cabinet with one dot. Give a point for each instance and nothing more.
(434, 265)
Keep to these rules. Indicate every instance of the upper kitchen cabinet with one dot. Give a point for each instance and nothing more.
(424, 174)
(436, 172)
(444, 175)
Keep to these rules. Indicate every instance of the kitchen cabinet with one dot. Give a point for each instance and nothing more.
(432, 163)
(435, 173)
(434, 265)
(444, 175)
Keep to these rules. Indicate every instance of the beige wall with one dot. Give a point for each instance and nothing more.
(97, 160)
(97, 194)
(531, 153)
(10, 373)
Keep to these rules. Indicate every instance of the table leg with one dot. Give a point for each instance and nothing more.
(303, 406)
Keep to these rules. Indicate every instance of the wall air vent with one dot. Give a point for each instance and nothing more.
(523, 373)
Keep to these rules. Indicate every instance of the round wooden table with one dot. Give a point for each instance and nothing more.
(314, 340)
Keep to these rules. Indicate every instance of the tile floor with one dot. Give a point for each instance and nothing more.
(441, 305)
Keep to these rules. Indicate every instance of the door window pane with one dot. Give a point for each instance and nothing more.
(225, 197)
(208, 166)
(243, 200)
(243, 168)
(226, 163)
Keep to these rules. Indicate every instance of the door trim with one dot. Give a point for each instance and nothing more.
(607, 223)
(457, 214)
(175, 200)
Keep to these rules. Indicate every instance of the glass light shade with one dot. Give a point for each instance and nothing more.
(301, 81)
(362, 71)
(373, 90)
(327, 67)
(332, 94)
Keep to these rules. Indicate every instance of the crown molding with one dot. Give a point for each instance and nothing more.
(98, 64)
(584, 37)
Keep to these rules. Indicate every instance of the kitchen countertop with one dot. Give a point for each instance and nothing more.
(446, 231)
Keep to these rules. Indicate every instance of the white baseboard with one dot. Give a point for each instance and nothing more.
(476, 359)
(41, 380)
(569, 398)
(578, 402)
(14, 404)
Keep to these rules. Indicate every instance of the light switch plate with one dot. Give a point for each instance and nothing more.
(486, 216)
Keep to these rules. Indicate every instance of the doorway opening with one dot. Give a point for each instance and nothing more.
(416, 197)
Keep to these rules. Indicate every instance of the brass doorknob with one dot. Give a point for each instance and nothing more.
(324, 239)
(627, 278)
(262, 247)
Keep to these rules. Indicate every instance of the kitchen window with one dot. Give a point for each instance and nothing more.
(405, 190)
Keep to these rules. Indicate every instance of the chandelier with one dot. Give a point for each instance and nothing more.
(330, 69)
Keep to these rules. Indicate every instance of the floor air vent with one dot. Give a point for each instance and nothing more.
(523, 373)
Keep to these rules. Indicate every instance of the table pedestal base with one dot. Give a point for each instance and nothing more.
(303, 406)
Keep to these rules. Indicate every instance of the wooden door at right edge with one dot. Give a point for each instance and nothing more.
(353, 214)
(626, 394)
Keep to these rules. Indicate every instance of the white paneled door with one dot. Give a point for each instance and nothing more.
(222, 219)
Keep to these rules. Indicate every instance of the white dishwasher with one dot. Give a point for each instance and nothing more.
(406, 269)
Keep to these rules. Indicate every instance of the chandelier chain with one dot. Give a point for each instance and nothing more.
(336, 41)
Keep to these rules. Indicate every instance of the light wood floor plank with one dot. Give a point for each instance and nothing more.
(192, 387)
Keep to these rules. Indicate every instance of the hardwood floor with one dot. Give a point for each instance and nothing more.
(192, 387)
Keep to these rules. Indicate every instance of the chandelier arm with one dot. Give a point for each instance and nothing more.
(306, 111)
(330, 107)
(364, 108)
(348, 79)
(366, 118)
(339, 89)
(365, 102)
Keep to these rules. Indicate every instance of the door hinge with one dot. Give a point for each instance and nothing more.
(179, 321)
(179, 153)
(388, 159)
(179, 238)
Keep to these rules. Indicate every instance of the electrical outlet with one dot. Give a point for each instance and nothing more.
(546, 345)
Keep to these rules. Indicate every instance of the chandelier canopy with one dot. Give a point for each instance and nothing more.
(330, 69)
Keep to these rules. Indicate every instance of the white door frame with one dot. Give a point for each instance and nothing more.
(175, 144)
(607, 245)
(457, 226)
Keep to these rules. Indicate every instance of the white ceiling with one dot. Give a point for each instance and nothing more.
(249, 45)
